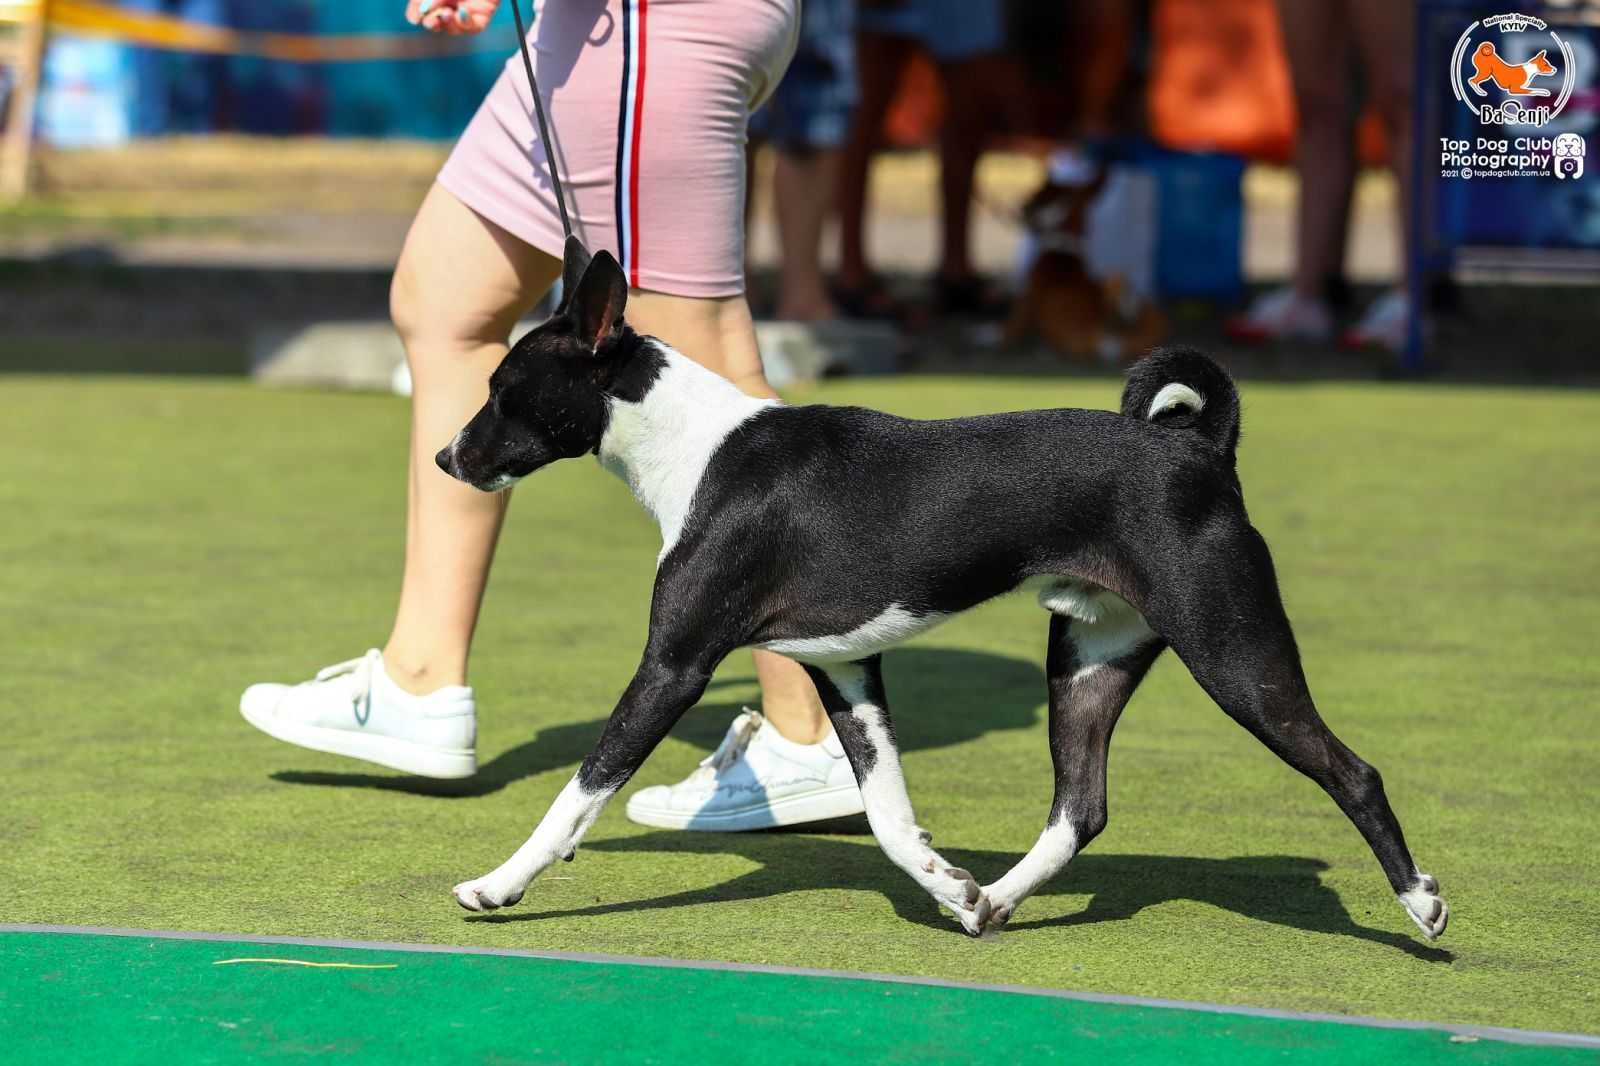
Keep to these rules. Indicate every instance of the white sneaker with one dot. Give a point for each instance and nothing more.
(1282, 314)
(754, 780)
(354, 709)
(1383, 325)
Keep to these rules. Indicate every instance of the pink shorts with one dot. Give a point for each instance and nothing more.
(648, 102)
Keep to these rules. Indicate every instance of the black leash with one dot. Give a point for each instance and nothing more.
(544, 127)
(574, 256)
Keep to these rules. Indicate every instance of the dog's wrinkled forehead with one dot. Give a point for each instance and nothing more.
(549, 354)
(551, 388)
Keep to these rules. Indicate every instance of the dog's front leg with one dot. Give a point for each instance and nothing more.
(852, 694)
(653, 702)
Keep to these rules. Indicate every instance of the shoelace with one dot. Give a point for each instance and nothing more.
(735, 741)
(360, 672)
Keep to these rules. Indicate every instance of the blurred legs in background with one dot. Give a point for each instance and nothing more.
(880, 59)
(1322, 38)
(806, 122)
(965, 39)
(802, 196)
(1385, 35)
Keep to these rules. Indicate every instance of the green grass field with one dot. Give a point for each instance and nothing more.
(167, 541)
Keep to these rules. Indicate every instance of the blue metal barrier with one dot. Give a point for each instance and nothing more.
(1538, 224)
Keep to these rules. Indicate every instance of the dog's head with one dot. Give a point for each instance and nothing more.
(548, 397)
(1542, 65)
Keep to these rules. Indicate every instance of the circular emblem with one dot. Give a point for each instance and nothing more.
(1512, 70)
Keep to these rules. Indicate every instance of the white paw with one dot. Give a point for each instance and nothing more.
(1000, 906)
(1426, 907)
(487, 893)
(958, 890)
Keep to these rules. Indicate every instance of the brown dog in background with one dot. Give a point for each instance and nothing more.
(1078, 315)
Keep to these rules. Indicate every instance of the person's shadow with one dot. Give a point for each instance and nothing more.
(1283, 889)
(939, 697)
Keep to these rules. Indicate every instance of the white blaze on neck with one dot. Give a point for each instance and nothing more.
(661, 445)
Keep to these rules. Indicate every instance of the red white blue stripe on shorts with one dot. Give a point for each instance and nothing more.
(630, 123)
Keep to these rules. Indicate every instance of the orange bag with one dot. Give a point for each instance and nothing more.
(1219, 79)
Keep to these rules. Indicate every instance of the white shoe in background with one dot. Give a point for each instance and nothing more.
(1383, 325)
(354, 708)
(1282, 314)
(756, 779)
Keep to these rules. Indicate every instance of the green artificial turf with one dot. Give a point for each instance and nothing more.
(111, 999)
(167, 541)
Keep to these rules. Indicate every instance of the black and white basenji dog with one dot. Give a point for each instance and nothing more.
(830, 534)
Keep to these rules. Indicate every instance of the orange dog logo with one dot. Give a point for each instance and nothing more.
(1514, 78)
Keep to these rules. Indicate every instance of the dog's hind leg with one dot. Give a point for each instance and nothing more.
(853, 696)
(1223, 615)
(655, 699)
(1092, 667)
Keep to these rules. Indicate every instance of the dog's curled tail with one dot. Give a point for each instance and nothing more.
(1183, 388)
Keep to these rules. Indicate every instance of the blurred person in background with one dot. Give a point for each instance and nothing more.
(806, 122)
(1322, 37)
(966, 39)
(652, 151)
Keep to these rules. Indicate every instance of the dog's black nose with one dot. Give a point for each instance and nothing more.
(443, 459)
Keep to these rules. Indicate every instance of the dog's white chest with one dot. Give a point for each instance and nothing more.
(873, 636)
(662, 444)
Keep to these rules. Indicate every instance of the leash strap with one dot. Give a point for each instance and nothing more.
(544, 127)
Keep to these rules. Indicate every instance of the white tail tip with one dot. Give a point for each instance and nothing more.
(1175, 395)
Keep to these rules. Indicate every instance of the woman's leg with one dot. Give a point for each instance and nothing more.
(720, 335)
(880, 58)
(1316, 35)
(1385, 30)
(459, 288)
(968, 122)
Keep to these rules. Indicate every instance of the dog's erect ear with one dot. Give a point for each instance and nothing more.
(598, 300)
(574, 261)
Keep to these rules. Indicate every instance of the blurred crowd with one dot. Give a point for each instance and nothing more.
(1066, 81)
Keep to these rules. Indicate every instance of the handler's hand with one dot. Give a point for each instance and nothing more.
(454, 17)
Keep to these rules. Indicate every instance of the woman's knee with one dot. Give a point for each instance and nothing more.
(432, 311)
(407, 290)
(462, 283)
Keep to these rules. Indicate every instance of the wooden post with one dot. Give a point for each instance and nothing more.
(22, 49)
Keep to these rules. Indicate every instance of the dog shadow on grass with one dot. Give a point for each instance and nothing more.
(942, 696)
(1282, 889)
